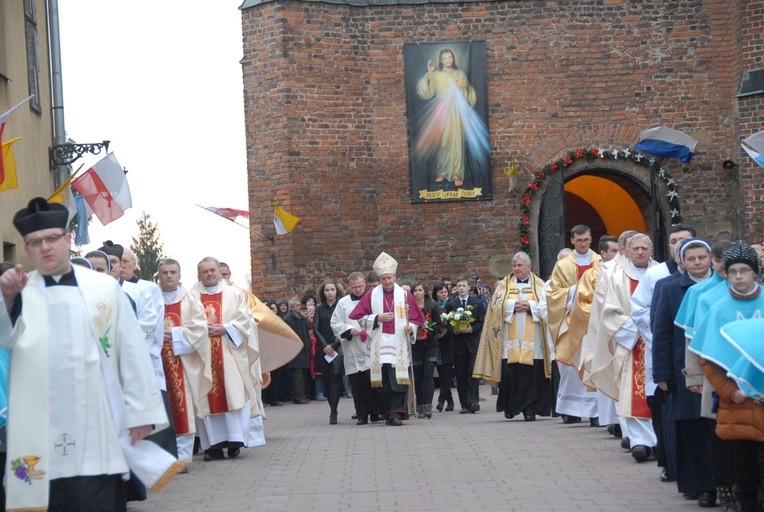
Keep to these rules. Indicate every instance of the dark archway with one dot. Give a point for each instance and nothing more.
(609, 201)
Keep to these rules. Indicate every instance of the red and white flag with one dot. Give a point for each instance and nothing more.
(4, 119)
(105, 189)
(229, 213)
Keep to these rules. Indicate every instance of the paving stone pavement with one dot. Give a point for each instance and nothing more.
(451, 462)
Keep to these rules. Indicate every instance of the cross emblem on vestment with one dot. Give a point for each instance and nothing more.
(63, 443)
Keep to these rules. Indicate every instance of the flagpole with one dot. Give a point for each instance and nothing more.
(66, 183)
(240, 225)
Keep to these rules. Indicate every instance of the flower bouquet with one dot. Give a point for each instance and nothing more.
(460, 319)
(426, 328)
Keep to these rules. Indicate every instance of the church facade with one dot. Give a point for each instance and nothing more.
(566, 89)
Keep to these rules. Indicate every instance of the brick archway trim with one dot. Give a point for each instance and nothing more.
(583, 136)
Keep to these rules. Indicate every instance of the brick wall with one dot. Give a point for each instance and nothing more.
(327, 137)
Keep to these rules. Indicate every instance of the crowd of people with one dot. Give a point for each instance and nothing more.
(662, 355)
(666, 356)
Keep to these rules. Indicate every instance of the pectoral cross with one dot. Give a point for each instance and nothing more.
(63, 443)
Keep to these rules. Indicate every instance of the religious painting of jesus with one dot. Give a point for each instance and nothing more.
(447, 114)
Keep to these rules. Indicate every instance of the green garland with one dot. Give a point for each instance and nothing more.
(647, 161)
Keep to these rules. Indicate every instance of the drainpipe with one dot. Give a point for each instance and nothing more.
(57, 86)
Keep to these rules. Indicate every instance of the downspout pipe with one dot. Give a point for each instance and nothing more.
(57, 87)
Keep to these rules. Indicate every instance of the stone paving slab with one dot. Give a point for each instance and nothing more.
(451, 462)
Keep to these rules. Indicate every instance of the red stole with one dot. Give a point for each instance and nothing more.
(173, 373)
(584, 268)
(639, 407)
(213, 308)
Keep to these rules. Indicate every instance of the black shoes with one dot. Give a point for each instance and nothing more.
(213, 454)
(332, 419)
(625, 443)
(439, 407)
(569, 420)
(641, 453)
(594, 422)
(449, 406)
(665, 476)
(275, 404)
(301, 401)
(529, 416)
(474, 408)
(233, 452)
(614, 430)
(362, 421)
(394, 421)
(373, 417)
(707, 499)
(464, 411)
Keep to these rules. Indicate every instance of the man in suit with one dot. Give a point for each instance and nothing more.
(466, 346)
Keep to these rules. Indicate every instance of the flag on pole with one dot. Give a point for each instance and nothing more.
(756, 141)
(81, 236)
(105, 189)
(662, 141)
(4, 119)
(227, 213)
(283, 220)
(10, 179)
(63, 195)
(757, 157)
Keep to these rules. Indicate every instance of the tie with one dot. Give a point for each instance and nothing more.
(464, 303)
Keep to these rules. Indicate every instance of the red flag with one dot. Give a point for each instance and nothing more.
(105, 189)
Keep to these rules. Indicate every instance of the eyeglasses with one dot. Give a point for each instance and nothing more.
(741, 272)
(50, 240)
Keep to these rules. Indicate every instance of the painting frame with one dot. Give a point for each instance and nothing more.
(447, 120)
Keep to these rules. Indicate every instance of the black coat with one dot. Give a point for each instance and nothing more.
(467, 342)
(669, 349)
(446, 341)
(322, 328)
(428, 347)
(301, 327)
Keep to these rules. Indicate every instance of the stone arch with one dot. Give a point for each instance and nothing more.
(638, 180)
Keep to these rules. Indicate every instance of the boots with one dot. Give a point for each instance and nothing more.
(726, 500)
(420, 411)
(428, 411)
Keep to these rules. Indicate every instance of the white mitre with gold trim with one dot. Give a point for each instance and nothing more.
(385, 264)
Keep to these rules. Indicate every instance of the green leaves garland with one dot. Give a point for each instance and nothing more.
(647, 161)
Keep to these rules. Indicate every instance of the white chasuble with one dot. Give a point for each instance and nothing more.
(231, 401)
(186, 358)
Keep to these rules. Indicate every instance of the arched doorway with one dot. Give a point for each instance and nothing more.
(608, 200)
